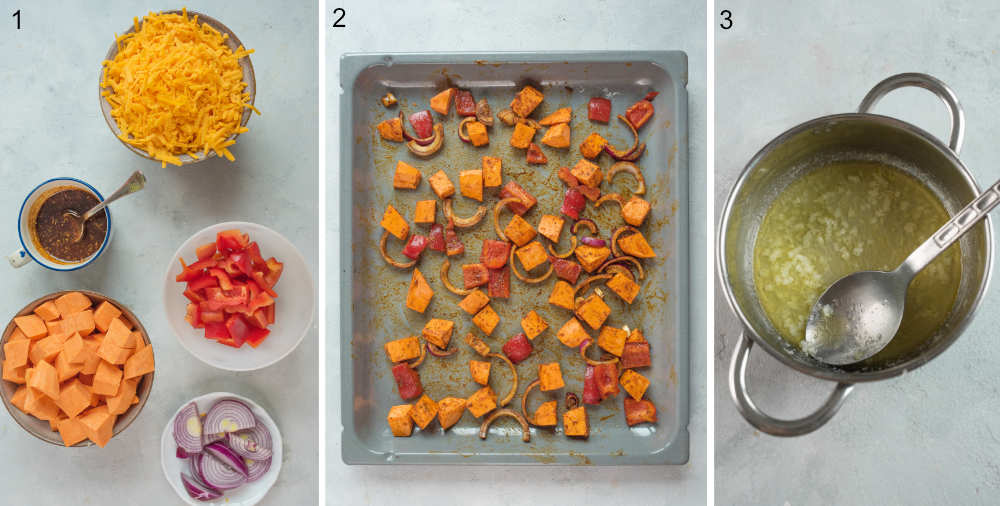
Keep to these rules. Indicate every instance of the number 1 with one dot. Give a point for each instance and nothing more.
(17, 15)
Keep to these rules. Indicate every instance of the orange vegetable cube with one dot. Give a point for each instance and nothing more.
(425, 212)
(14, 374)
(45, 379)
(16, 352)
(636, 246)
(612, 340)
(407, 348)
(475, 301)
(72, 302)
(399, 420)
(550, 376)
(561, 115)
(112, 352)
(592, 146)
(551, 227)
(486, 319)
(104, 315)
(74, 397)
(572, 333)
(47, 311)
(441, 185)
(477, 344)
(17, 335)
(106, 379)
(522, 136)
(424, 411)
(635, 210)
(593, 311)
(532, 255)
(99, 424)
(591, 257)
(140, 363)
(623, 287)
(492, 172)
(395, 223)
(441, 103)
(406, 176)
(482, 402)
(391, 130)
(470, 182)
(477, 133)
(71, 431)
(438, 332)
(575, 422)
(32, 326)
(121, 401)
(18, 398)
(82, 322)
(450, 411)
(533, 325)
(480, 371)
(46, 348)
(634, 383)
(419, 295)
(587, 173)
(636, 337)
(519, 231)
(562, 295)
(557, 136)
(64, 369)
(545, 415)
(92, 344)
(40, 405)
(526, 101)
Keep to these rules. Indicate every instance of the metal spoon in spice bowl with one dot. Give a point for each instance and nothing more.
(859, 314)
(135, 182)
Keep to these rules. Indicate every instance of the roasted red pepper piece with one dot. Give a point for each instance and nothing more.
(636, 355)
(639, 113)
(637, 412)
(566, 269)
(205, 251)
(512, 189)
(651, 95)
(567, 177)
(535, 155)
(599, 109)
(494, 253)
(415, 246)
(499, 287)
(465, 105)
(573, 203)
(591, 395)
(257, 336)
(408, 381)
(474, 275)
(453, 245)
(436, 241)
(606, 380)
(423, 124)
(592, 194)
(517, 348)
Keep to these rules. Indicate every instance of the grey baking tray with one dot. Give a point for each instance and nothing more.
(373, 293)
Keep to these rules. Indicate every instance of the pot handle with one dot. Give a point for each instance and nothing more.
(766, 423)
(930, 83)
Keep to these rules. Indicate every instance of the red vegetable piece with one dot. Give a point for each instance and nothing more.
(275, 268)
(474, 275)
(209, 317)
(591, 395)
(408, 381)
(193, 316)
(494, 253)
(423, 123)
(499, 286)
(599, 109)
(573, 203)
(270, 313)
(224, 281)
(651, 95)
(436, 241)
(231, 240)
(257, 261)
(187, 273)
(592, 194)
(465, 105)
(216, 331)
(238, 331)
(206, 251)
(637, 412)
(517, 348)
(201, 283)
(535, 155)
(606, 380)
(567, 177)
(453, 245)
(512, 189)
(193, 296)
(257, 336)
(566, 269)
(415, 246)
(636, 355)
(639, 113)
(241, 262)
(258, 319)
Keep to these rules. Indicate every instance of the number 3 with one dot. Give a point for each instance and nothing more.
(727, 20)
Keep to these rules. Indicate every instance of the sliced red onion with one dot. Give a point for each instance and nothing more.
(187, 429)
(209, 438)
(196, 466)
(220, 474)
(227, 456)
(593, 241)
(181, 454)
(246, 447)
(197, 490)
(257, 468)
(229, 415)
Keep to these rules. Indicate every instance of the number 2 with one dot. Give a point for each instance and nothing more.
(727, 20)
(17, 16)
(336, 24)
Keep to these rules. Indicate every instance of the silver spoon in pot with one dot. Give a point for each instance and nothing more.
(858, 315)
(134, 183)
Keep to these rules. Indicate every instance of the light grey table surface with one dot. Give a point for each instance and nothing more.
(52, 126)
(931, 436)
(533, 26)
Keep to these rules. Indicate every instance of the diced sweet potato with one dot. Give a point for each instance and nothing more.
(18, 398)
(550, 377)
(593, 311)
(64, 368)
(572, 333)
(519, 231)
(623, 287)
(425, 212)
(391, 130)
(531, 255)
(441, 185)
(634, 383)
(46, 348)
(526, 101)
(499, 286)
(470, 182)
(140, 363)
(486, 319)
(635, 210)
(441, 103)
(395, 223)
(106, 379)
(575, 422)
(533, 325)
(17, 335)
(438, 332)
(450, 411)
(512, 189)
(635, 336)
(592, 146)
(545, 415)
(424, 411)
(72, 302)
(32, 326)
(591, 257)
(419, 294)
(105, 313)
(81, 321)
(492, 172)
(120, 402)
(551, 227)
(637, 412)
(587, 173)
(482, 402)
(407, 348)
(14, 374)
(636, 245)
(71, 431)
(636, 355)
(92, 343)
(473, 302)
(562, 295)
(522, 136)
(16, 352)
(612, 340)
(399, 420)
(494, 254)
(406, 176)
(47, 311)
(45, 379)
(561, 115)
(477, 133)
(480, 371)
(474, 275)
(557, 136)
(74, 397)
(40, 405)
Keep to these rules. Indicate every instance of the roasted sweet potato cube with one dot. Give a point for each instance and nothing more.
(399, 420)
(635, 336)
(407, 176)
(425, 212)
(587, 173)
(533, 325)
(612, 340)
(531, 255)
(623, 287)
(634, 383)
(522, 136)
(519, 231)
(636, 245)
(450, 411)
(635, 210)
(474, 275)
(575, 422)
(407, 348)
(473, 302)
(527, 200)
(591, 257)
(441, 103)
(486, 319)
(419, 294)
(572, 333)
(592, 146)
(424, 411)
(477, 133)
(441, 185)
(551, 227)
(470, 183)
(550, 377)
(32, 326)
(47, 311)
(636, 355)
(526, 101)
(593, 311)
(391, 130)
(545, 415)
(477, 344)
(482, 402)
(395, 223)
(562, 295)
(557, 136)
(480, 371)
(438, 332)
(561, 115)
(492, 172)
(637, 412)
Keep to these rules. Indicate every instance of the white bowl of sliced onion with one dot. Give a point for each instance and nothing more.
(221, 448)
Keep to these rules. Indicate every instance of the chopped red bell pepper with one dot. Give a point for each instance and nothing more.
(474, 275)
(216, 331)
(205, 251)
(270, 313)
(193, 296)
(193, 316)
(423, 124)
(637, 412)
(202, 282)
(436, 241)
(238, 331)
(453, 245)
(258, 319)
(599, 109)
(535, 155)
(187, 273)
(241, 261)
(465, 105)
(408, 381)
(275, 268)
(494, 254)
(573, 203)
(231, 240)
(566, 269)
(591, 395)
(517, 348)
(512, 189)
(639, 113)
(224, 281)
(651, 95)
(636, 355)
(257, 336)
(211, 316)
(260, 301)
(415, 246)
(499, 286)
(606, 380)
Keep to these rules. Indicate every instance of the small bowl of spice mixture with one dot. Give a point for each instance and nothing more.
(48, 236)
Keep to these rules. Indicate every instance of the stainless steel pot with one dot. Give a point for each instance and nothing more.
(853, 136)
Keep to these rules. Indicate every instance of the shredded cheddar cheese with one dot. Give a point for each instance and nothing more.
(176, 88)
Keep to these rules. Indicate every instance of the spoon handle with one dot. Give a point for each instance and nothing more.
(135, 182)
(962, 222)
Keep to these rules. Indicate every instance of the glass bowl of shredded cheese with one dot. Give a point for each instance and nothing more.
(178, 87)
